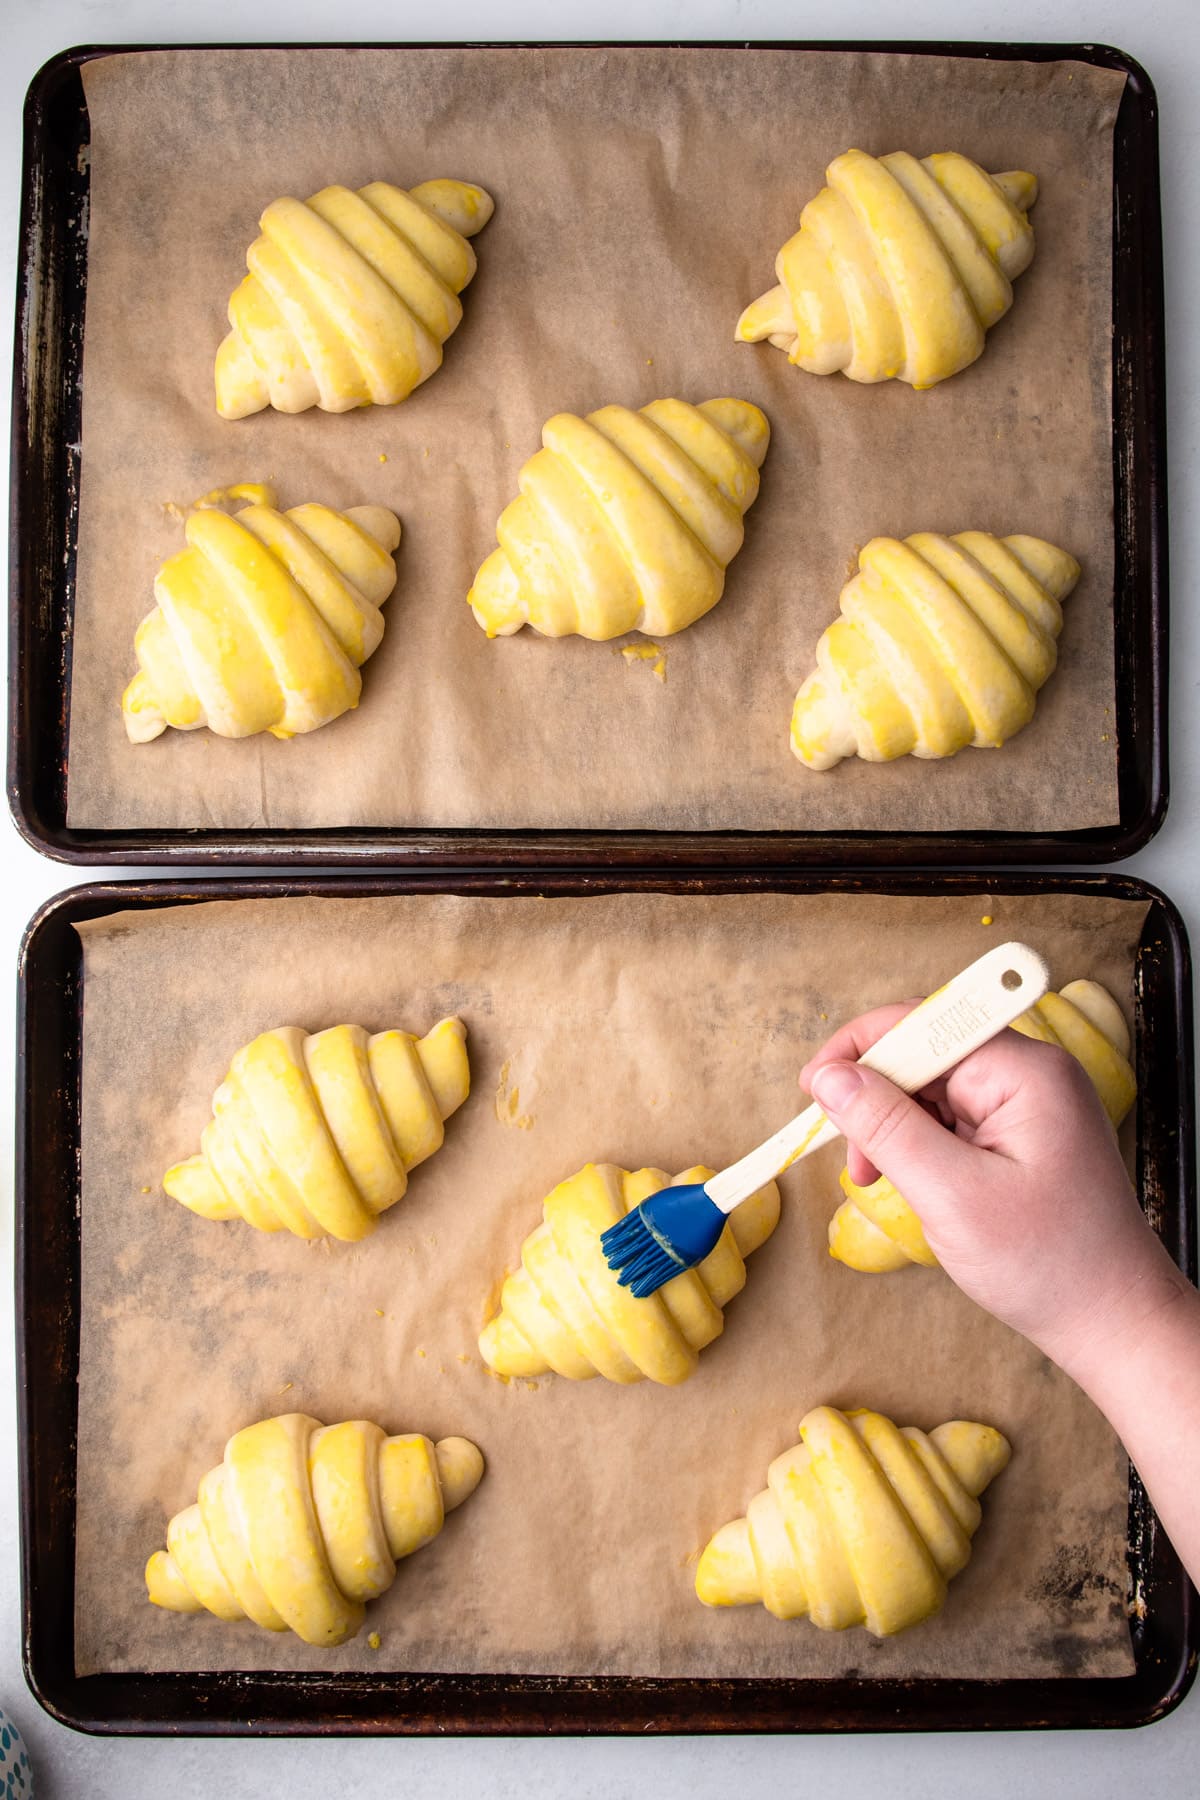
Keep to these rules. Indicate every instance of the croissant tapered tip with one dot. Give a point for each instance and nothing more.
(1057, 570)
(443, 1052)
(1018, 186)
(506, 1352)
(460, 1469)
(744, 422)
(977, 1453)
(1101, 1010)
(770, 316)
(166, 1587)
(379, 522)
(726, 1574)
(195, 1186)
(858, 1243)
(814, 727)
(140, 710)
(239, 384)
(460, 204)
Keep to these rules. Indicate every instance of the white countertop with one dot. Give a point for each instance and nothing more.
(1164, 35)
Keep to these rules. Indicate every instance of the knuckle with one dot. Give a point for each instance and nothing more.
(884, 1116)
(1066, 1072)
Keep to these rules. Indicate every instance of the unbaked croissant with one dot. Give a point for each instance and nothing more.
(875, 1229)
(862, 1523)
(349, 298)
(564, 1309)
(626, 521)
(303, 1523)
(942, 642)
(263, 622)
(898, 269)
(316, 1135)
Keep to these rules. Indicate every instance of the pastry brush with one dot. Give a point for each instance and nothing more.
(677, 1227)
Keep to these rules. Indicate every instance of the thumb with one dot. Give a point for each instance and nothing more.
(902, 1140)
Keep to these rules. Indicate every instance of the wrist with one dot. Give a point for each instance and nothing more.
(1103, 1348)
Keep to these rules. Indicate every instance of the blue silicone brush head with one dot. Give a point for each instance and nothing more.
(671, 1231)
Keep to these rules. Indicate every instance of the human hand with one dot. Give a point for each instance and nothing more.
(1013, 1169)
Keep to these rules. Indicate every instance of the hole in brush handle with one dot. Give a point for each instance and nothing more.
(958, 1018)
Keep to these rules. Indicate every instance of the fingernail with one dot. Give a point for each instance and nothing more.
(835, 1085)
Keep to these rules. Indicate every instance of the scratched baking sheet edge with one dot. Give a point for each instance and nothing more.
(51, 294)
(1164, 1610)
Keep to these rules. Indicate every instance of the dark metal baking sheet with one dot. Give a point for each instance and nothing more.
(51, 297)
(1164, 1632)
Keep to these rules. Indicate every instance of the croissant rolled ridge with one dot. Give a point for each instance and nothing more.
(625, 521)
(264, 621)
(317, 1134)
(942, 642)
(900, 268)
(302, 1524)
(349, 297)
(862, 1522)
(565, 1311)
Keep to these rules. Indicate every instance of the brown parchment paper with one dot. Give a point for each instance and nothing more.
(640, 1029)
(641, 196)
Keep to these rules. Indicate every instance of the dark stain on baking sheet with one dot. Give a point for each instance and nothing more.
(1080, 1593)
(1070, 1579)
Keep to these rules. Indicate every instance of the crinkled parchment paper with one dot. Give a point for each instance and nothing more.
(640, 1029)
(641, 197)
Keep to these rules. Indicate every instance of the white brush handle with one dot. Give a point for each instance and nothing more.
(936, 1035)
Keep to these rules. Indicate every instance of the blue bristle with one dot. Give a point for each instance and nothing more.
(671, 1231)
(661, 1270)
(623, 1236)
(644, 1263)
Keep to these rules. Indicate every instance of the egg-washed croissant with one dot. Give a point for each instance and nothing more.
(316, 1135)
(349, 298)
(861, 1523)
(942, 642)
(626, 521)
(564, 1309)
(303, 1523)
(875, 1230)
(898, 269)
(263, 622)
